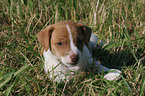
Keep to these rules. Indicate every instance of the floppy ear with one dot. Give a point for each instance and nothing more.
(87, 31)
(44, 37)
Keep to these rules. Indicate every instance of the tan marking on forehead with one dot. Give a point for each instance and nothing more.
(60, 34)
(72, 45)
(76, 34)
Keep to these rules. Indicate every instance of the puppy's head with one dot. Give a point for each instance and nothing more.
(65, 40)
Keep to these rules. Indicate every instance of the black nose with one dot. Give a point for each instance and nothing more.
(74, 58)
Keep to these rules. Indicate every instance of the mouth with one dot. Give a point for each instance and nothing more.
(67, 61)
(71, 64)
(74, 63)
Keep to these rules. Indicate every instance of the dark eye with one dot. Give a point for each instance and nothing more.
(59, 43)
(79, 41)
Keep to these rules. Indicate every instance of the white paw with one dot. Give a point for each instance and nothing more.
(112, 74)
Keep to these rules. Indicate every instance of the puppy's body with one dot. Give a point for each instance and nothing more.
(67, 47)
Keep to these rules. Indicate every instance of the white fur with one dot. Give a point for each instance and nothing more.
(95, 40)
(61, 68)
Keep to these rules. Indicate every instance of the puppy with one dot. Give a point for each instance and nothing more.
(67, 49)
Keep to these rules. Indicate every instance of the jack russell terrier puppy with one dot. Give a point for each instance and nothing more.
(67, 49)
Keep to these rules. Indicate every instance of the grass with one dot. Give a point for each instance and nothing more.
(119, 23)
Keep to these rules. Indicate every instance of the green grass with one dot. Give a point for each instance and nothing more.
(119, 23)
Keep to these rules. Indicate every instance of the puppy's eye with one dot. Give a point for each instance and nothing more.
(59, 43)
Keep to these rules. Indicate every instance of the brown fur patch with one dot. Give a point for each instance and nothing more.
(56, 36)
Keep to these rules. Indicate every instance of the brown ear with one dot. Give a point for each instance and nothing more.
(44, 37)
(87, 31)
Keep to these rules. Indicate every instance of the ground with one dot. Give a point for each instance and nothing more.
(119, 23)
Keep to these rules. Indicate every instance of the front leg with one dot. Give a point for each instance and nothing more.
(113, 74)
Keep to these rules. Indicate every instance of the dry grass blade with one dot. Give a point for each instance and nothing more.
(119, 23)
